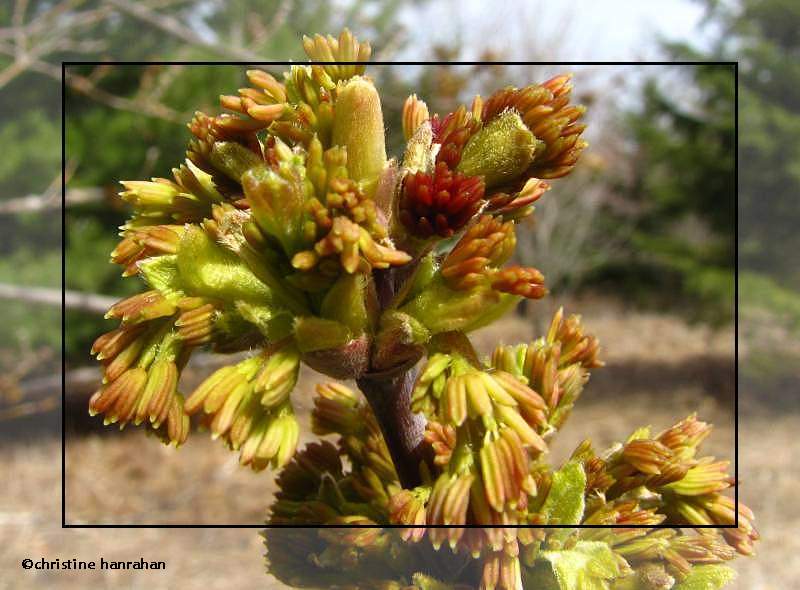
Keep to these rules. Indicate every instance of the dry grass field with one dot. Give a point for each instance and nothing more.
(659, 370)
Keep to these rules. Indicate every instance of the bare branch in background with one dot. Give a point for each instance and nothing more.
(275, 23)
(41, 394)
(38, 389)
(75, 300)
(51, 197)
(32, 42)
(174, 27)
(32, 46)
(146, 107)
(29, 408)
(51, 200)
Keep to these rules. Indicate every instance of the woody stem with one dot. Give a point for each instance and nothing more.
(389, 395)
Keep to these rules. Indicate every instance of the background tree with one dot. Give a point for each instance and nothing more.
(681, 190)
(763, 36)
(123, 121)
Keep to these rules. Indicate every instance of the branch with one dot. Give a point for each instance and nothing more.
(76, 300)
(389, 395)
(42, 393)
(153, 109)
(29, 45)
(29, 408)
(51, 200)
(174, 27)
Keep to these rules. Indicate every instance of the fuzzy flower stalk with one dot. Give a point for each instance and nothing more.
(289, 236)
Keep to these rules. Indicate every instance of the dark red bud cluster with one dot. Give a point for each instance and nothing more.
(452, 133)
(439, 204)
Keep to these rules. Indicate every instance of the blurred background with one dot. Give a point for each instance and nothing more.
(640, 240)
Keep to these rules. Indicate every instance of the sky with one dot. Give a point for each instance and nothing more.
(575, 30)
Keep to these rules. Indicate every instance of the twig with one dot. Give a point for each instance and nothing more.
(81, 382)
(51, 200)
(29, 46)
(170, 25)
(389, 396)
(76, 300)
(154, 109)
(29, 408)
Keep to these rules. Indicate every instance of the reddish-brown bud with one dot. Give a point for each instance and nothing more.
(452, 133)
(439, 204)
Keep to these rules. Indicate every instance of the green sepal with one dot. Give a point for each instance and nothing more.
(233, 159)
(641, 433)
(201, 184)
(161, 273)
(565, 502)
(278, 200)
(346, 302)
(706, 577)
(500, 152)
(208, 269)
(442, 309)
(400, 338)
(589, 565)
(423, 276)
(235, 332)
(262, 265)
(313, 333)
(274, 324)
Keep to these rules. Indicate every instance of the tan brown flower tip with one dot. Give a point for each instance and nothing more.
(415, 112)
(648, 456)
(142, 307)
(353, 247)
(523, 281)
(196, 320)
(330, 49)
(519, 204)
(486, 244)
(142, 394)
(442, 439)
(247, 406)
(407, 507)
(143, 242)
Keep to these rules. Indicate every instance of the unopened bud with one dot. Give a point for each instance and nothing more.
(358, 126)
(500, 152)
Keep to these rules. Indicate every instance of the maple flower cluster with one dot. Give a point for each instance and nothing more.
(289, 235)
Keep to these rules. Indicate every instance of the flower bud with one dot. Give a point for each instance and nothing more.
(500, 152)
(442, 309)
(415, 113)
(400, 338)
(233, 159)
(358, 126)
(351, 301)
(330, 49)
(329, 347)
(440, 203)
(277, 201)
